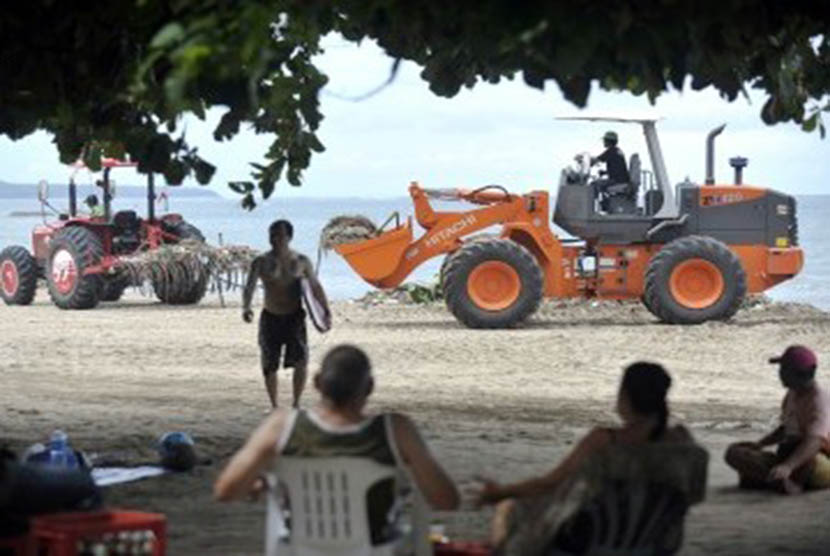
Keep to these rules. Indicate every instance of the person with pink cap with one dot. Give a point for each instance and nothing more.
(802, 440)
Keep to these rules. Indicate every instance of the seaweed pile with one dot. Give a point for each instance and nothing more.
(346, 229)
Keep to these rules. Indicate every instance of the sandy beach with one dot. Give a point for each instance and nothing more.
(503, 403)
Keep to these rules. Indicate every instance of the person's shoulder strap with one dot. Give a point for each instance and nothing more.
(389, 429)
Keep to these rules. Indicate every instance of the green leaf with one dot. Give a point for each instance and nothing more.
(241, 187)
(248, 202)
(810, 123)
(175, 172)
(170, 34)
(204, 171)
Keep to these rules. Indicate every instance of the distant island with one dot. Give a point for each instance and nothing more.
(61, 190)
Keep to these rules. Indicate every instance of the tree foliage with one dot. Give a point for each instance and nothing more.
(116, 77)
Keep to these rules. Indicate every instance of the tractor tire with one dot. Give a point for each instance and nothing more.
(694, 279)
(72, 250)
(113, 287)
(18, 276)
(493, 283)
(186, 284)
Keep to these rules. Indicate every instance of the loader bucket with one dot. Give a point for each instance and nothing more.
(377, 258)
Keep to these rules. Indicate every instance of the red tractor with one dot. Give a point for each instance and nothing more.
(79, 256)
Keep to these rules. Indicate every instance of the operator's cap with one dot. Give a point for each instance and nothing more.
(797, 358)
(610, 136)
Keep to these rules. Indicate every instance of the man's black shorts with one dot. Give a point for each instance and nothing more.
(276, 331)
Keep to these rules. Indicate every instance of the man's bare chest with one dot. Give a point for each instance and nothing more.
(280, 272)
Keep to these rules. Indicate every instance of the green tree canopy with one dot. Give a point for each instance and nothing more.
(115, 78)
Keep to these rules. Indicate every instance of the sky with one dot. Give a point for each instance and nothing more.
(505, 134)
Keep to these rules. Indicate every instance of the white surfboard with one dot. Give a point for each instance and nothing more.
(316, 311)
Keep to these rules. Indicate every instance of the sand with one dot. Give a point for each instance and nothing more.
(498, 403)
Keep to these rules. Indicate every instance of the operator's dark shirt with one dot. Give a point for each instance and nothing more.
(615, 165)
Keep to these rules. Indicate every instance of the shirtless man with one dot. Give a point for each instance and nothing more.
(282, 321)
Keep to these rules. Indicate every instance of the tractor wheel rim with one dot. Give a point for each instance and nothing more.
(10, 278)
(64, 271)
(494, 285)
(696, 283)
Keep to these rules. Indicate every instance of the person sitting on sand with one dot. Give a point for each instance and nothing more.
(282, 322)
(339, 426)
(802, 440)
(642, 406)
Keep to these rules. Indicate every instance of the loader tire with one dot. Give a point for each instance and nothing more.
(18, 276)
(694, 279)
(443, 272)
(72, 250)
(493, 283)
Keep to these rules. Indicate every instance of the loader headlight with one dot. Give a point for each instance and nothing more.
(782, 241)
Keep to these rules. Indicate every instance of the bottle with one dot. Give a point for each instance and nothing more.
(60, 453)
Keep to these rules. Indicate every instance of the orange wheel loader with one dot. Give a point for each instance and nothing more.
(690, 253)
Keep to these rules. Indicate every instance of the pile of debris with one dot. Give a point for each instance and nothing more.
(411, 293)
(756, 301)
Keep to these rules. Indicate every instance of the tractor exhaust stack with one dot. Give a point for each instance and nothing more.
(710, 154)
(151, 198)
(73, 198)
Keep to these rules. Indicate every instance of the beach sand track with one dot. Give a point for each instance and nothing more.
(502, 403)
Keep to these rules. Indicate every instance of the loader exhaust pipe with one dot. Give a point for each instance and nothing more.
(710, 154)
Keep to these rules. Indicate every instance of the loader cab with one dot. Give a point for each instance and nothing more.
(620, 212)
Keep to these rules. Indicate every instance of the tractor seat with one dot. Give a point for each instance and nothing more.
(628, 189)
(621, 198)
(127, 231)
(126, 220)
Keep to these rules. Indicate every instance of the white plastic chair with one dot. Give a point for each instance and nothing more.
(328, 513)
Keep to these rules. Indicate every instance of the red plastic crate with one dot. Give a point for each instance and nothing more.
(60, 534)
(462, 548)
(20, 545)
